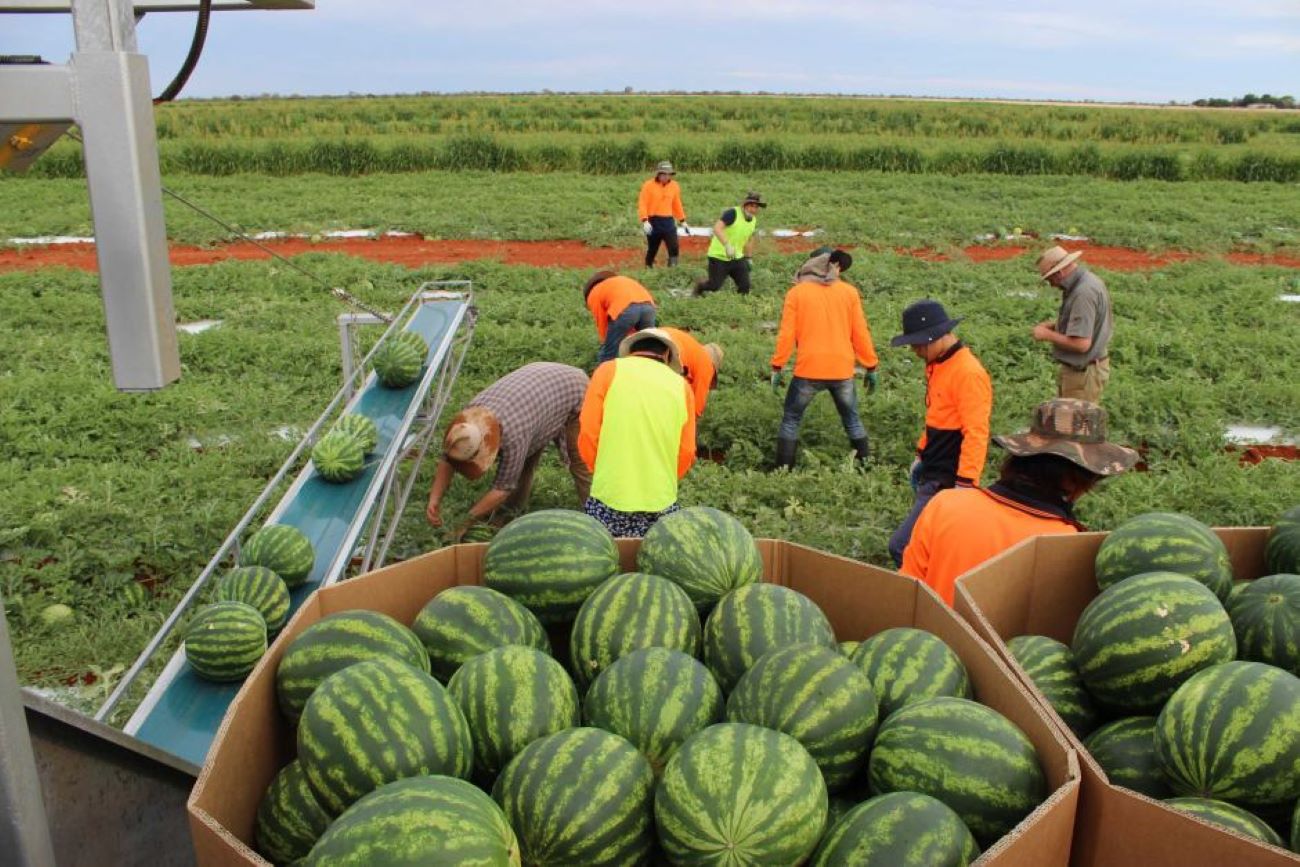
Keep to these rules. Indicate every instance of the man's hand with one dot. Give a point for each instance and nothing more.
(646, 227)
(731, 251)
(871, 379)
(1044, 330)
(778, 380)
(434, 513)
(682, 222)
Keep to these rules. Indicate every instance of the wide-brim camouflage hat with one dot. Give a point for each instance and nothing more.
(1074, 430)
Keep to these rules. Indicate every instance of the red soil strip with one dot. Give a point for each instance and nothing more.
(1257, 453)
(414, 252)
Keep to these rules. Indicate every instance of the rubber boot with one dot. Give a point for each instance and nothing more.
(861, 448)
(785, 452)
(672, 261)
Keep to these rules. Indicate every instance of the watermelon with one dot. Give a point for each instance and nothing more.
(333, 643)
(551, 561)
(289, 818)
(282, 548)
(399, 360)
(1282, 550)
(848, 647)
(818, 697)
(362, 428)
(1228, 816)
(259, 587)
(708, 552)
(511, 696)
(1266, 618)
(420, 820)
(461, 622)
(965, 754)
(756, 618)
(1165, 542)
(580, 796)
(740, 794)
(629, 612)
(896, 829)
(1141, 638)
(377, 722)
(1050, 665)
(1126, 751)
(225, 640)
(906, 665)
(338, 457)
(656, 698)
(838, 806)
(1232, 733)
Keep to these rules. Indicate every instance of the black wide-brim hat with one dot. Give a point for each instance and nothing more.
(923, 322)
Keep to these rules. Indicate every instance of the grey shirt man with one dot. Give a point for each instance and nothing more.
(1085, 312)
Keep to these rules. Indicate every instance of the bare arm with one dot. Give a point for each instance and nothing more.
(1046, 331)
(441, 482)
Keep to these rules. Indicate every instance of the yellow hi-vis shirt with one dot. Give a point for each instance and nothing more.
(738, 235)
(637, 433)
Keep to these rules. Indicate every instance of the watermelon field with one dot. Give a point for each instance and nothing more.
(114, 502)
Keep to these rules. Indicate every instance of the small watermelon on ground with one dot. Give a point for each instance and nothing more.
(656, 698)
(461, 622)
(965, 754)
(1165, 542)
(740, 792)
(225, 640)
(400, 359)
(333, 643)
(1126, 751)
(818, 697)
(1266, 618)
(338, 457)
(629, 612)
(361, 427)
(756, 618)
(907, 665)
(511, 696)
(705, 550)
(560, 789)
(259, 587)
(1226, 815)
(289, 818)
(895, 829)
(1140, 639)
(1282, 550)
(282, 548)
(1232, 733)
(551, 561)
(377, 722)
(1050, 665)
(421, 820)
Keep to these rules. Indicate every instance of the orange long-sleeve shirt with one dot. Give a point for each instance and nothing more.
(958, 402)
(697, 366)
(660, 200)
(826, 329)
(610, 297)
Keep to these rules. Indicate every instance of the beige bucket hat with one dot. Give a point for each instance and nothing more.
(629, 345)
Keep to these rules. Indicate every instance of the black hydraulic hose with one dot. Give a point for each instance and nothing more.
(191, 59)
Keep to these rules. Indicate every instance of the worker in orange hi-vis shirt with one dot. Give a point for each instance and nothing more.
(823, 324)
(700, 365)
(620, 306)
(659, 208)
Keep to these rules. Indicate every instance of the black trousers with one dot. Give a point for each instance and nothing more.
(721, 269)
(662, 230)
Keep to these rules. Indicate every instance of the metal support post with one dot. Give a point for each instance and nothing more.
(24, 834)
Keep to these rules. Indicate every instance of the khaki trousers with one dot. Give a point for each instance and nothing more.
(1086, 384)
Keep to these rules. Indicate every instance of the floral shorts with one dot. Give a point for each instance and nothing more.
(625, 524)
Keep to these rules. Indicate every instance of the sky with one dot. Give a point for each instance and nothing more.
(1098, 50)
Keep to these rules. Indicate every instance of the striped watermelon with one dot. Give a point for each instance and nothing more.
(838, 806)
(847, 647)
(461, 622)
(897, 829)
(740, 794)
(708, 552)
(511, 696)
(906, 665)
(338, 457)
(225, 640)
(282, 548)
(1282, 551)
(629, 612)
(1050, 665)
(1165, 542)
(377, 722)
(1232, 733)
(551, 561)
(1126, 751)
(289, 818)
(965, 754)
(1266, 618)
(421, 820)
(335, 642)
(580, 796)
(362, 428)
(756, 618)
(1228, 816)
(656, 698)
(1141, 638)
(259, 587)
(399, 360)
(1238, 586)
(817, 697)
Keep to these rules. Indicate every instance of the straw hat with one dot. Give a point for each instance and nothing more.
(472, 441)
(1074, 430)
(629, 345)
(1054, 259)
(714, 352)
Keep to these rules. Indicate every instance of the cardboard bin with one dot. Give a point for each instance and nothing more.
(1040, 587)
(255, 741)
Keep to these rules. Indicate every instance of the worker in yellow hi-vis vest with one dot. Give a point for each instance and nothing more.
(729, 250)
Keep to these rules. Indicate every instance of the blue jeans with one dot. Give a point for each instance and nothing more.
(635, 318)
(903, 535)
(801, 392)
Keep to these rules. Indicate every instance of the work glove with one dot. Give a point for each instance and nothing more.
(778, 380)
(914, 475)
(731, 251)
(646, 227)
(871, 379)
(685, 225)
